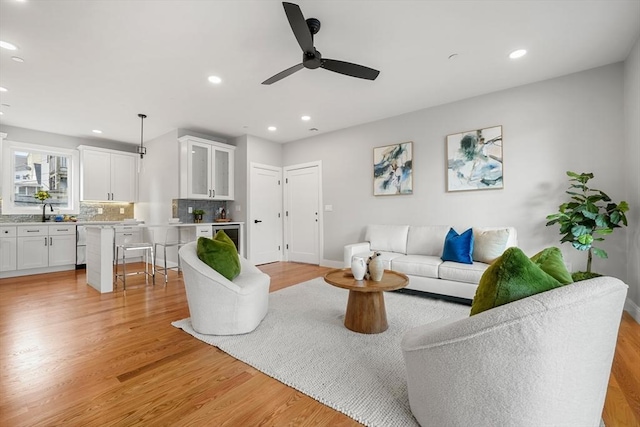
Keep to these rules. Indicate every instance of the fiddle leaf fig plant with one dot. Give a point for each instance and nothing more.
(589, 215)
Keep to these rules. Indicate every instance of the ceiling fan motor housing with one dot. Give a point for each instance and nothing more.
(312, 61)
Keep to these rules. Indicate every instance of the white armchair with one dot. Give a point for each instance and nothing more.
(219, 306)
(544, 360)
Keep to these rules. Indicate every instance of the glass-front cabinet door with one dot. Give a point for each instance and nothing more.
(206, 169)
(200, 170)
(223, 174)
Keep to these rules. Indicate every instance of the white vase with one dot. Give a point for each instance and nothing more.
(376, 269)
(358, 268)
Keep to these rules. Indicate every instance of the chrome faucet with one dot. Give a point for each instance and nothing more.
(44, 207)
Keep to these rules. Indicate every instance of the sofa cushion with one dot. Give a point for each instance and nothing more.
(489, 244)
(387, 238)
(511, 277)
(551, 262)
(220, 253)
(458, 272)
(385, 257)
(458, 247)
(426, 239)
(417, 265)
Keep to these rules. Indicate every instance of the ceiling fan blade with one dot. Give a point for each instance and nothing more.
(353, 70)
(299, 27)
(283, 74)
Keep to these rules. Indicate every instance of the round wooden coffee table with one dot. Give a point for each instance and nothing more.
(366, 313)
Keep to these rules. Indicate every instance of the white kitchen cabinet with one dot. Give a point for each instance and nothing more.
(8, 249)
(206, 169)
(40, 246)
(62, 245)
(108, 175)
(33, 247)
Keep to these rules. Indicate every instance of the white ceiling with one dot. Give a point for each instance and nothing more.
(96, 64)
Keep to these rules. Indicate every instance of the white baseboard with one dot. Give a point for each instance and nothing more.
(330, 263)
(632, 309)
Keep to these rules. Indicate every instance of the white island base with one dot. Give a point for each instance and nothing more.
(100, 258)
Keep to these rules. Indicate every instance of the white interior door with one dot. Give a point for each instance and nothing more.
(265, 214)
(303, 216)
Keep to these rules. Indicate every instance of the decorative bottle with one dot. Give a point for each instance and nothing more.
(376, 269)
(358, 268)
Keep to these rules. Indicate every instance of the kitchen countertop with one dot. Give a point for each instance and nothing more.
(50, 223)
(166, 224)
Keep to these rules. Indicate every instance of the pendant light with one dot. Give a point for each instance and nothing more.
(142, 150)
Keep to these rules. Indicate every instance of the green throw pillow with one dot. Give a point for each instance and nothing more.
(220, 254)
(551, 262)
(511, 277)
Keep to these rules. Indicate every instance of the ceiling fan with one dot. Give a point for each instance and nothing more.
(311, 58)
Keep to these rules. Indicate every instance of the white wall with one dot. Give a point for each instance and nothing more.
(573, 122)
(158, 179)
(632, 166)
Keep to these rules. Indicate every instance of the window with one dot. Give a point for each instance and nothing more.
(29, 168)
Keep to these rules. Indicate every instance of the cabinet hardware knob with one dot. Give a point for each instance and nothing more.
(255, 221)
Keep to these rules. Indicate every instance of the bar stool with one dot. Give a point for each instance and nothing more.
(122, 250)
(171, 240)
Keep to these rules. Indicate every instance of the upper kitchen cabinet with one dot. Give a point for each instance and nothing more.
(206, 169)
(108, 175)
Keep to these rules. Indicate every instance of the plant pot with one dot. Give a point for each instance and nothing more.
(197, 218)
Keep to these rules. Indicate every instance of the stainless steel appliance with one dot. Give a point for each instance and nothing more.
(231, 230)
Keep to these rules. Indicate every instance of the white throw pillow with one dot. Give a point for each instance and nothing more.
(489, 244)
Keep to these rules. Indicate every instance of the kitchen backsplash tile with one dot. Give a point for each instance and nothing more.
(88, 212)
(211, 209)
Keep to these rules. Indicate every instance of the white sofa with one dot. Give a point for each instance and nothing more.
(416, 251)
(544, 360)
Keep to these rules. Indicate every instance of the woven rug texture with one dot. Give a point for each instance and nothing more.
(302, 342)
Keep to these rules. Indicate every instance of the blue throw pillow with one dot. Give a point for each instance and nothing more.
(458, 247)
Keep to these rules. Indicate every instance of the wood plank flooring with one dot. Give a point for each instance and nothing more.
(71, 356)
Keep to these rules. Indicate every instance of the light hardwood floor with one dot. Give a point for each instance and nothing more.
(70, 356)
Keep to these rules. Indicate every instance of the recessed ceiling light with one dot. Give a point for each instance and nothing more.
(313, 130)
(3, 89)
(1, 113)
(96, 131)
(305, 118)
(17, 59)
(272, 128)
(215, 79)
(7, 45)
(517, 54)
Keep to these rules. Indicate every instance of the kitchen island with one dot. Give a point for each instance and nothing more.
(101, 240)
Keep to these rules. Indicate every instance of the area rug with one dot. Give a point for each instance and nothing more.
(303, 343)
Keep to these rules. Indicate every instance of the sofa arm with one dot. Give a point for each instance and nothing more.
(352, 249)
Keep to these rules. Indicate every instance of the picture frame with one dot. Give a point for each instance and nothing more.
(393, 169)
(475, 160)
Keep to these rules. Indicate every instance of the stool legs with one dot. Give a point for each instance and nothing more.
(148, 252)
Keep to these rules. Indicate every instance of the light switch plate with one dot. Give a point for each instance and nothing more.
(100, 211)
(328, 208)
(189, 209)
(121, 210)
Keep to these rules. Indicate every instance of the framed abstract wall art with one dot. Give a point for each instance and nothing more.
(393, 169)
(474, 160)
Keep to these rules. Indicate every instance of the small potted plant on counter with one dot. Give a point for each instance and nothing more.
(197, 215)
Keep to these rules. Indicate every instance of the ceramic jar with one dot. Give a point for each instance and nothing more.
(358, 268)
(376, 269)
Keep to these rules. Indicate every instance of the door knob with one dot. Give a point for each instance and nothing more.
(255, 221)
